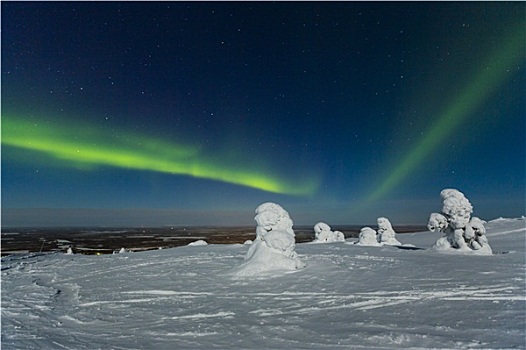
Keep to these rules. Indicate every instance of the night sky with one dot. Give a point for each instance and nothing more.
(194, 113)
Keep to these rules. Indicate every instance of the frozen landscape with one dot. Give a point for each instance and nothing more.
(142, 140)
(345, 296)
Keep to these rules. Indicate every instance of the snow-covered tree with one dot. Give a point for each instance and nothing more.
(386, 234)
(273, 248)
(368, 237)
(324, 234)
(461, 232)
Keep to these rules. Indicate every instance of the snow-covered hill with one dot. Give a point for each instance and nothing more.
(347, 296)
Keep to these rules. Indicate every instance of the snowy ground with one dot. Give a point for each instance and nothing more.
(348, 296)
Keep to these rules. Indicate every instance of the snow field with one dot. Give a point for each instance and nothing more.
(347, 296)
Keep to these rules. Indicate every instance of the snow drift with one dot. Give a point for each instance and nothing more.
(199, 242)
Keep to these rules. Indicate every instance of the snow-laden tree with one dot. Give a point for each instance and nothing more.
(368, 237)
(461, 232)
(324, 234)
(386, 234)
(273, 248)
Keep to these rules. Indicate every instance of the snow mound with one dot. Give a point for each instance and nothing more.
(198, 243)
(323, 234)
(273, 249)
(461, 232)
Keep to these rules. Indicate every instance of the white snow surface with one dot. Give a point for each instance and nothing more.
(347, 297)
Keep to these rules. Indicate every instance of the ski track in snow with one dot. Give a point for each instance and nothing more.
(347, 297)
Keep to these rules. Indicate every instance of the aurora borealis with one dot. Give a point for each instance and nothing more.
(488, 77)
(194, 113)
(76, 146)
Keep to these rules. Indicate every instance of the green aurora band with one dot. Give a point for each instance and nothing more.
(490, 76)
(87, 147)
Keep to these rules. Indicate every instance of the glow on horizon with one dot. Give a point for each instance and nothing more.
(489, 76)
(87, 147)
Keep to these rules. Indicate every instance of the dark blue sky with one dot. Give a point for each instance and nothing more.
(189, 113)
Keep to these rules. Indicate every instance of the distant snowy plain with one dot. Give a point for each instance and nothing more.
(347, 297)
